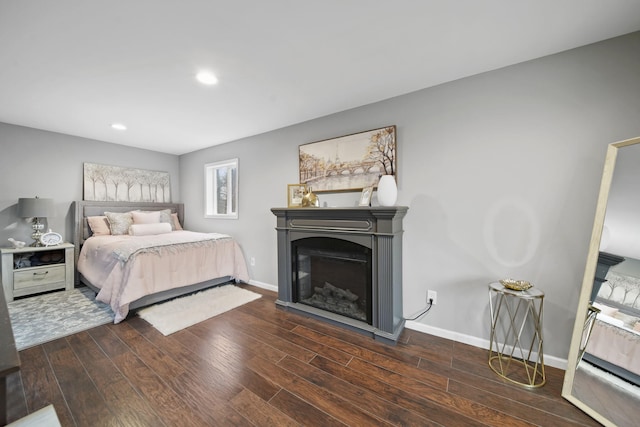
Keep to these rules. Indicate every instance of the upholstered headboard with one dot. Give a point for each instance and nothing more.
(84, 209)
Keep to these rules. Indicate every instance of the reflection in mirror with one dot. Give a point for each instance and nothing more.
(603, 370)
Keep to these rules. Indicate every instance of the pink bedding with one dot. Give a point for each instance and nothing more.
(127, 268)
(615, 344)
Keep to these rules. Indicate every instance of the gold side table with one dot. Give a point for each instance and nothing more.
(515, 349)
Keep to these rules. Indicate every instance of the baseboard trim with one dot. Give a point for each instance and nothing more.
(263, 285)
(553, 361)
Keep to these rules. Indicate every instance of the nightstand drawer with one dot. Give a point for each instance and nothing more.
(38, 276)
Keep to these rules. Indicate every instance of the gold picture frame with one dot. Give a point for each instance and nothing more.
(365, 197)
(295, 193)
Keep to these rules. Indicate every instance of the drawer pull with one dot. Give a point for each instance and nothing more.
(41, 274)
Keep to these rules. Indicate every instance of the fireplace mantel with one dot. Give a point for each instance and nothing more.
(377, 228)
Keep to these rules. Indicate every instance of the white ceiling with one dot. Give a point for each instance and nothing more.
(77, 66)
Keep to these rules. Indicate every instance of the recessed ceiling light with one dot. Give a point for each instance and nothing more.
(119, 126)
(207, 78)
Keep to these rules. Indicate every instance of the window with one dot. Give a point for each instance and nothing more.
(221, 189)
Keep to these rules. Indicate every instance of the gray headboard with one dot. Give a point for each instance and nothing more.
(83, 209)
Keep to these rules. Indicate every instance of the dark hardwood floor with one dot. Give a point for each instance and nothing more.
(261, 366)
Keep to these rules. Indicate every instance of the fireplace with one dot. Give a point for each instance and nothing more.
(344, 266)
(333, 275)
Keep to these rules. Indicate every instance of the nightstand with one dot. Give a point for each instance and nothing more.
(31, 270)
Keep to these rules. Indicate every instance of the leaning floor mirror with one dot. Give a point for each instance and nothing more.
(603, 369)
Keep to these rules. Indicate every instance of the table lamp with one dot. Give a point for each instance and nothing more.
(35, 208)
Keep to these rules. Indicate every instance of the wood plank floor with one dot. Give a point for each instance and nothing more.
(262, 366)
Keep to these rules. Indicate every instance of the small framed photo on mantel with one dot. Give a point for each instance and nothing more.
(365, 197)
(295, 193)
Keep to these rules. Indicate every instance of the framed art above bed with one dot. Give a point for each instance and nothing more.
(105, 182)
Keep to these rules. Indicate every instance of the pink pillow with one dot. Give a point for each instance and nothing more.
(99, 225)
(176, 222)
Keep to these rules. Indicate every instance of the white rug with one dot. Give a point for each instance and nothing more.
(177, 314)
(609, 378)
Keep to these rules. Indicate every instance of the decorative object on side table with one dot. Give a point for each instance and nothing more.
(295, 193)
(35, 208)
(17, 244)
(387, 190)
(50, 238)
(516, 285)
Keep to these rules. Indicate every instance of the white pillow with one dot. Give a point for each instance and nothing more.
(610, 320)
(605, 309)
(150, 229)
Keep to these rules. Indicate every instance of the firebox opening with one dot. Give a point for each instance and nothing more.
(333, 275)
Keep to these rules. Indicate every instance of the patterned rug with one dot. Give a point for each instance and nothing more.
(42, 318)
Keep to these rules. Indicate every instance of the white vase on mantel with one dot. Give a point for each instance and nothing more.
(387, 190)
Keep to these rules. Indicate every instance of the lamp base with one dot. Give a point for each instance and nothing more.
(37, 232)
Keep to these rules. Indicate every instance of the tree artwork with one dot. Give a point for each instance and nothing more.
(120, 184)
(382, 150)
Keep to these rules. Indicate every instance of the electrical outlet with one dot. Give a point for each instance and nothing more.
(252, 261)
(432, 295)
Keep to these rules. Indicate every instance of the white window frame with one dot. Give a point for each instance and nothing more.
(210, 185)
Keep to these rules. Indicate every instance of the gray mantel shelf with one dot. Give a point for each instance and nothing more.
(377, 228)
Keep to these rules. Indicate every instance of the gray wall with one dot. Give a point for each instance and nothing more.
(629, 267)
(500, 172)
(49, 165)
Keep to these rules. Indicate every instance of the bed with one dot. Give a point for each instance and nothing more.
(151, 259)
(614, 343)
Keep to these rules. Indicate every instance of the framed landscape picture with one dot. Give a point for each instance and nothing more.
(348, 163)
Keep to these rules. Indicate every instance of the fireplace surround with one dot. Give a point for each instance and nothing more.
(343, 266)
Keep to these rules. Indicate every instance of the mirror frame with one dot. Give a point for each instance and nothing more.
(589, 275)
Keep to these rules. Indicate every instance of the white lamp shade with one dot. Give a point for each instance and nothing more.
(35, 207)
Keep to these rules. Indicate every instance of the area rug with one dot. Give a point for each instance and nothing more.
(615, 381)
(177, 314)
(42, 318)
